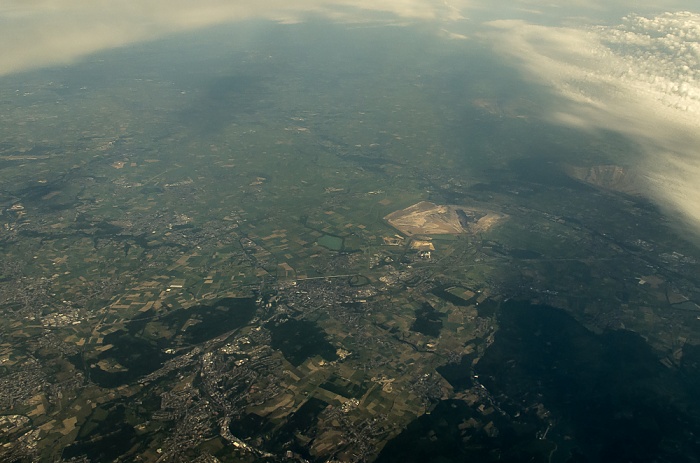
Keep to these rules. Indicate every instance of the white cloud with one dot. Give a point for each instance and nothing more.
(640, 78)
(36, 33)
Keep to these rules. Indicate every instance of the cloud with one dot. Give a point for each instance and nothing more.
(37, 33)
(640, 78)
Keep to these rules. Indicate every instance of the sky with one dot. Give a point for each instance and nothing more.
(632, 67)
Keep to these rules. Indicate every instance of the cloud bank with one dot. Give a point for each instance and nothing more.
(640, 78)
(37, 33)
